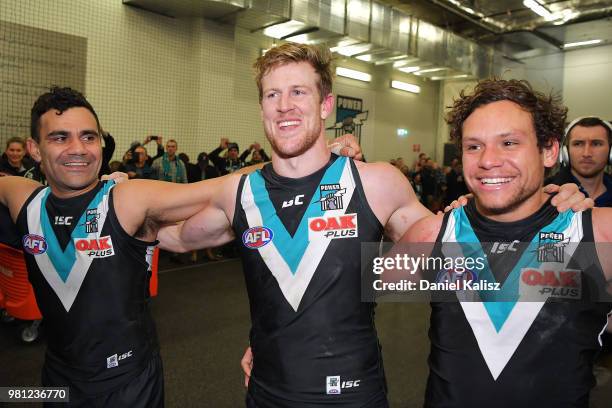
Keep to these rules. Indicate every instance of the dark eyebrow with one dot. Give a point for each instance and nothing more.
(67, 133)
(58, 133)
(89, 132)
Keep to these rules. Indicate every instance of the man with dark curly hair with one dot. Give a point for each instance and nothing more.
(508, 349)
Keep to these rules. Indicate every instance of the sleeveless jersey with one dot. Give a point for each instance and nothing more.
(91, 281)
(517, 353)
(314, 341)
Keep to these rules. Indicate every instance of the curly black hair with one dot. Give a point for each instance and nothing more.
(60, 99)
(548, 112)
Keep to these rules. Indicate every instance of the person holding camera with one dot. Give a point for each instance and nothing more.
(231, 162)
(258, 155)
(137, 166)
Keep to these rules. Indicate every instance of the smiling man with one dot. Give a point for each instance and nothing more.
(509, 353)
(301, 220)
(87, 246)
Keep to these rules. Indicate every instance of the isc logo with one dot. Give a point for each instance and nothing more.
(113, 361)
(34, 244)
(256, 237)
(333, 384)
(97, 248)
(332, 227)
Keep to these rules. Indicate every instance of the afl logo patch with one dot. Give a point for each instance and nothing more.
(452, 276)
(256, 237)
(34, 244)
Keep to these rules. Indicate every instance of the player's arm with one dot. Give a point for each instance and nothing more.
(415, 243)
(208, 228)
(14, 191)
(143, 206)
(391, 197)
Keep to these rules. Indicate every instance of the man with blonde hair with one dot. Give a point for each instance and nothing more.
(301, 221)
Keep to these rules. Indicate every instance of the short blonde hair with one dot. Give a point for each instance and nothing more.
(320, 59)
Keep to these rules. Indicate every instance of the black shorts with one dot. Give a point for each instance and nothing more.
(146, 390)
(377, 401)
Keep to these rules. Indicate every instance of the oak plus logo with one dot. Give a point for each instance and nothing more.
(540, 284)
(95, 247)
(332, 227)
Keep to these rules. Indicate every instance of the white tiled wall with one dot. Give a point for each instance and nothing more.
(192, 79)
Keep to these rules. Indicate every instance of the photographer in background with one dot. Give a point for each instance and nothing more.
(137, 166)
(231, 162)
(258, 155)
(160, 147)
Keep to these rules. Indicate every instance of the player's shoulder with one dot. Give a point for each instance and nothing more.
(17, 187)
(375, 166)
(602, 218)
(424, 230)
(380, 173)
(15, 191)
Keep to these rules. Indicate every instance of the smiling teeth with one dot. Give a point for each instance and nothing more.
(495, 180)
(76, 164)
(289, 123)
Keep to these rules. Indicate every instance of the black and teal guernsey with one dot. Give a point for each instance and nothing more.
(515, 353)
(91, 281)
(314, 342)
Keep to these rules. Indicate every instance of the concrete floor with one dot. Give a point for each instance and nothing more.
(203, 321)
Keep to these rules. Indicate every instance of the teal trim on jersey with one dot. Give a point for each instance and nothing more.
(292, 248)
(63, 260)
(497, 310)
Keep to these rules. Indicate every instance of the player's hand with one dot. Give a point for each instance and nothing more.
(247, 365)
(118, 176)
(346, 146)
(460, 202)
(568, 196)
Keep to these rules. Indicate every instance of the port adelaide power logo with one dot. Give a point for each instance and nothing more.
(331, 197)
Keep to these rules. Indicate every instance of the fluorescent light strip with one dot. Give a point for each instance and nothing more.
(408, 70)
(353, 74)
(405, 86)
(283, 29)
(349, 51)
(429, 70)
(539, 9)
(581, 43)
